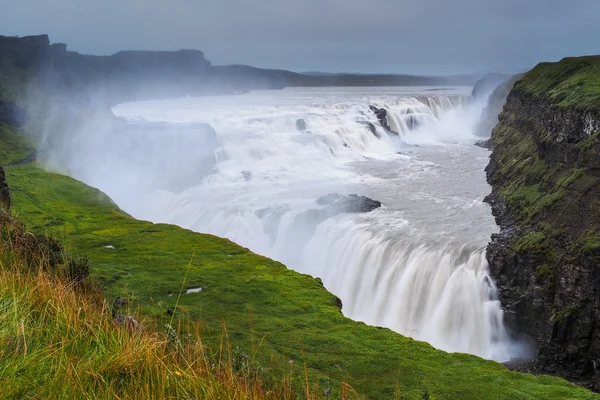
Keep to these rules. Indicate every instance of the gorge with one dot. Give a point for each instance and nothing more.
(242, 167)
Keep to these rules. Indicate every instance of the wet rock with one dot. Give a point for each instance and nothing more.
(412, 122)
(486, 144)
(351, 203)
(247, 175)
(301, 124)
(371, 127)
(381, 114)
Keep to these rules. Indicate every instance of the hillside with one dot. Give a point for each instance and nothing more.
(137, 75)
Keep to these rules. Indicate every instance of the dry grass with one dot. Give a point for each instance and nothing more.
(58, 339)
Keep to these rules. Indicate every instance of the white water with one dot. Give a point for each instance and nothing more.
(416, 265)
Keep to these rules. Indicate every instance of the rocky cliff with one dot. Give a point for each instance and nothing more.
(545, 174)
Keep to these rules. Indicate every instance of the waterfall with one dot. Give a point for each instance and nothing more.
(417, 265)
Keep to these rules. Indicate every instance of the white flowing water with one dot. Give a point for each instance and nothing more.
(416, 265)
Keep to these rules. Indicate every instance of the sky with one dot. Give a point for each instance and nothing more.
(427, 37)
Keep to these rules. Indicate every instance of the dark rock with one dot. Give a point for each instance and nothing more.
(372, 129)
(126, 321)
(4, 191)
(351, 203)
(412, 121)
(301, 124)
(118, 303)
(247, 175)
(549, 290)
(338, 303)
(381, 114)
(486, 144)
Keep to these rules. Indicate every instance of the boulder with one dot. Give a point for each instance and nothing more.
(247, 175)
(301, 124)
(381, 114)
(351, 203)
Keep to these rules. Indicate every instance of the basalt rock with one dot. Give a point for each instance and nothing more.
(372, 129)
(351, 203)
(301, 124)
(545, 177)
(381, 114)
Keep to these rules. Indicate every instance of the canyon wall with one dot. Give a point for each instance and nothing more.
(545, 175)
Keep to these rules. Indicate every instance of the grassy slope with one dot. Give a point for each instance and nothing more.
(14, 146)
(572, 82)
(59, 342)
(259, 300)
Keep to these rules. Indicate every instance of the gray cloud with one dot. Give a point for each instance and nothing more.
(412, 36)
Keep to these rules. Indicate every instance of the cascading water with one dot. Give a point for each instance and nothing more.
(416, 265)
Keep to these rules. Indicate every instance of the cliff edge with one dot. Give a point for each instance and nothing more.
(545, 174)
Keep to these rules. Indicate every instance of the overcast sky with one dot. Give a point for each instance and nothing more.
(397, 36)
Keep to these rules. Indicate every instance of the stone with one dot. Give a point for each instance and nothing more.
(301, 124)
(381, 114)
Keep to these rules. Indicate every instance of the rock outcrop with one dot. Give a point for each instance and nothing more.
(545, 175)
(381, 114)
(352, 203)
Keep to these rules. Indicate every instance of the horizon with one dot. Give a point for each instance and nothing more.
(311, 72)
(415, 38)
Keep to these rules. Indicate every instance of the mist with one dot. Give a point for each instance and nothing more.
(242, 167)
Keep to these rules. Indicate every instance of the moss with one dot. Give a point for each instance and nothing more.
(570, 176)
(530, 200)
(589, 143)
(589, 243)
(543, 272)
(572, 82)
(562, 315)
(273, 313)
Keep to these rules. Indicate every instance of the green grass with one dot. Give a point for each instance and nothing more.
(284, 318)
(572, 82)
(14, 145)
(59, 341)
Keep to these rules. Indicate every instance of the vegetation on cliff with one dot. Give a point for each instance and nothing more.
(573, 82)
(546, 196)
